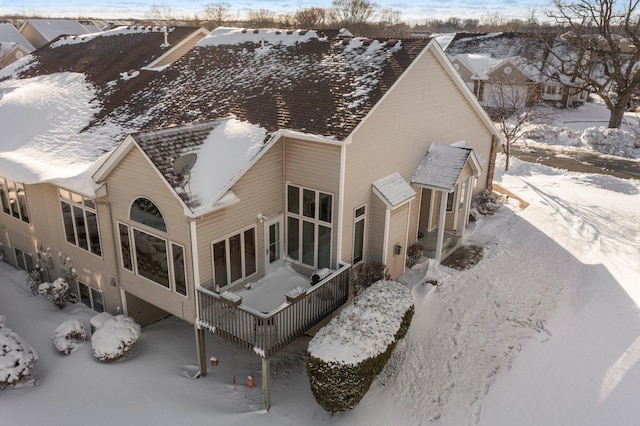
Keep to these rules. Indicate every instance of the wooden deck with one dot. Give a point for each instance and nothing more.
(267, 333)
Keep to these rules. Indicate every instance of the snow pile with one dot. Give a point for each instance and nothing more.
(232, 36)
(83, 38)
(16, 358)
(45, 116)
(56, 292)
(366, 328)
(115, 338)
(611, 141)
(223, 156)
(68, 336)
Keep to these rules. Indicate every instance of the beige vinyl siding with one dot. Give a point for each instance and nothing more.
(398, 221)
(313, 165)
(34, 36)
(260, 190)
(181, 50)
(425, 106)
(377, 228)
(414, 217)
(316, 165)
(148, 183)
(47, 231)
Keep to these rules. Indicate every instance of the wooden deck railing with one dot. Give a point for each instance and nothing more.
(268, 333)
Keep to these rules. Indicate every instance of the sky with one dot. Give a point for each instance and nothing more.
(412, 11)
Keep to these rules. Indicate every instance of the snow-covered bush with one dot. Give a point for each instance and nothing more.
(483, 204)
(347, 354)
(68, 336)
(57, 292)
(16, 358)
(34, 279)
(115, 338)
(414, 253)
(366, 273)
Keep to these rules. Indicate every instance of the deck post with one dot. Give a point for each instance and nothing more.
(200, 348)
(441, 224)
(266, 378)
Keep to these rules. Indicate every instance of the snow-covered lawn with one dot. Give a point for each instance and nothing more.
(544, 330)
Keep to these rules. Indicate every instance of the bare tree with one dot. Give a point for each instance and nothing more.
(216, 13)
(261, 18)
(599, 47)
(160, 13)
(512, 107)
(311, 17)
(352, 12)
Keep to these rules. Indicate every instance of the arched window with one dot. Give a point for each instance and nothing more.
(144, 211)
(152, 255)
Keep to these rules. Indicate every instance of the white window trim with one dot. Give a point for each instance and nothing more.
(227, 256)
(134, 259)
(315, 220)
(84, 209)
(91, 290)
(15, 185)
(357, 219)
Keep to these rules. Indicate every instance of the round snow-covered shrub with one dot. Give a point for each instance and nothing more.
(68, 336)
(115, 338)
(347, 354)
(57, 292)
(16, 358)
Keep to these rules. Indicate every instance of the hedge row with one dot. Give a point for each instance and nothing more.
(339, 386)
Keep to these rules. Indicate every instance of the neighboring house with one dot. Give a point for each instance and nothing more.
(13, 45)
(255, 153)
(498, 82)
(483, 58)
(41, 31)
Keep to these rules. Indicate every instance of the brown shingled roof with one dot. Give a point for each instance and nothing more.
(322, 86)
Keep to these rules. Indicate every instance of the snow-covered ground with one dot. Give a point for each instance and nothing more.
(544, 330)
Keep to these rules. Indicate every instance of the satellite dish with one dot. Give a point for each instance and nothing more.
(183, 164)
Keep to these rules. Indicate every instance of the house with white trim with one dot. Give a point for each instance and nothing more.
(254, 153)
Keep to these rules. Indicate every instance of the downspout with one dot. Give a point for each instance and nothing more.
(199, 332)
(123, 301)
(340, 230)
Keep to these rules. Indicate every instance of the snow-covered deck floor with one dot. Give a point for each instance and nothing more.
(268, 293)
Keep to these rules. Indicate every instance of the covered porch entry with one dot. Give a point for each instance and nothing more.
(446, 178)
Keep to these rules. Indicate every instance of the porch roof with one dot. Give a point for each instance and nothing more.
(393, 190)
(442, 166)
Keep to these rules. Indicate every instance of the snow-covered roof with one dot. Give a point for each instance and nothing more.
(394, 190)
(52, 28)
(9, 33)
(444, 39)
(224, 149)
(441, 167)
(309, 82)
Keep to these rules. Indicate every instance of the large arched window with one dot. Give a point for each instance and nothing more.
(152, 255)
(145, 211)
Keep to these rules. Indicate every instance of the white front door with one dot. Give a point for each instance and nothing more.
(273, 238)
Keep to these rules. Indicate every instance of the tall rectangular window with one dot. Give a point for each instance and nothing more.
(179, 271)
(220, 263)
(151, 257)
(14, 199)
(125, 247)
(80, 221)
(309, 228)
(234, 258)
(358, 234)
